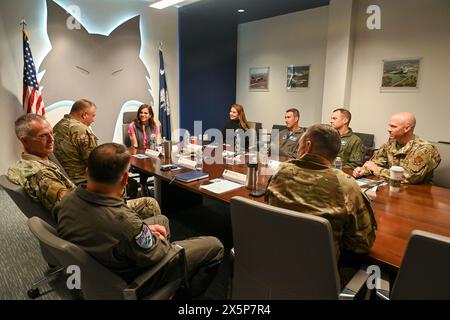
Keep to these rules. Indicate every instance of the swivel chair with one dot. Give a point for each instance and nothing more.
(424, 273)
(279, 258)
(97, 282)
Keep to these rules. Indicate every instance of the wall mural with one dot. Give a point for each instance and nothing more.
(104, 69)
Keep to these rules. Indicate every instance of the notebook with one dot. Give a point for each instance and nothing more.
(191, 176)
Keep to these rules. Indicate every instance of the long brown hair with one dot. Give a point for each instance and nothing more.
(241, 114)
(151, 121)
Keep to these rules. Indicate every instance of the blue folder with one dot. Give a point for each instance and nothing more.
(191, 176)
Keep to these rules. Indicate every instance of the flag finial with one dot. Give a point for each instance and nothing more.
(23, 23)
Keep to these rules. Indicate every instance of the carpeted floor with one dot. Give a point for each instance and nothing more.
(21, 263)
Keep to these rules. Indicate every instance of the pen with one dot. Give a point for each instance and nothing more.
(173, 179)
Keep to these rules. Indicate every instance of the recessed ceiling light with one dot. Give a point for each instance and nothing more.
(241, 10)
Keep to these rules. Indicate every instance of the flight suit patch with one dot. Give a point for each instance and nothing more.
(145, 238)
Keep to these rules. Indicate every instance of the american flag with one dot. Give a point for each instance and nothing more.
(32, 98)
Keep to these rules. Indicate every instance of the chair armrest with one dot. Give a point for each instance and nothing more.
(130, 292)
(354, 285)
(384, 291)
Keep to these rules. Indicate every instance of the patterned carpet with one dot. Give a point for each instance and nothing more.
(21, 263)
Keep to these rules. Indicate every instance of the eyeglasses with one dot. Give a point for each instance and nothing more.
(43, 137)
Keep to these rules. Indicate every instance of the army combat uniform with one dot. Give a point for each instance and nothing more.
(309, 185)
(120, 240)
(41, 179)
(418, 157)
(352, 150)
(74, 142)
(289, 142)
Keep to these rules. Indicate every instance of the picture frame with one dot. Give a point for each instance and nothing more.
(297, 77)
(400, 75)
(259, 79)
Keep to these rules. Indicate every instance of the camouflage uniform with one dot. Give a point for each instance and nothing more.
(310, 185)
(289, 142)
(352, 150)
(41, 179)
(418, 157)
(120, 240)
(74, 141)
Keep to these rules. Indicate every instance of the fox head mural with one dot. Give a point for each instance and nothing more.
(104, 69)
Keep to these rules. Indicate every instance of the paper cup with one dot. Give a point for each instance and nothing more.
(396, 177)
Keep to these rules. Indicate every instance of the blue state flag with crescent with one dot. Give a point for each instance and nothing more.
(164, 108)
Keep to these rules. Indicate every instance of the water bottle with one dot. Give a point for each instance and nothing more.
(338, 163)
(163, 153)
(199, 160)
(186, 140)
(263, 154)
(153, 141)
(238, 143)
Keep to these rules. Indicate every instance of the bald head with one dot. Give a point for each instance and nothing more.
(406, 118)
(401, 127)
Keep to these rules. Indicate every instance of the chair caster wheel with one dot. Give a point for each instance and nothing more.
(33, 293)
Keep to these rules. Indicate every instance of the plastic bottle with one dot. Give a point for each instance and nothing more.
(186, 141)
(199, 160)
(263, 154)
(162, 146)
(238, 143)
(338, 163)
(153, 141)
(187, 138)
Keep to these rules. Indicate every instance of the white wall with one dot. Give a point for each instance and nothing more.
(298, 38)
(158, 25)
(410, 28)
(9, 101)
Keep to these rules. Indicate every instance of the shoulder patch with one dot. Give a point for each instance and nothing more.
(144, 238)
(418, 160)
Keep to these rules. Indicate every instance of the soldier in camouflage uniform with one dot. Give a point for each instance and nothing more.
(352, 148)
(418, 157)
(74, 139)
(96, 220)
(42, 179)
(311, 185)
(289, 138)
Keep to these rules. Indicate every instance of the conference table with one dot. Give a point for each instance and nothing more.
(421, 207)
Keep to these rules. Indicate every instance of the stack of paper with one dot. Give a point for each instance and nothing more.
(221, 186)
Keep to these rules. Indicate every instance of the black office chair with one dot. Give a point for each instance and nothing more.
(97, 282)
(441, 176)
(257, 126)
(285, 264)
(128, 118)
(424, 272)
(28, 206)
(368, 141)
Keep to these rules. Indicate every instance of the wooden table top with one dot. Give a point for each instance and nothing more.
(421, 207)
